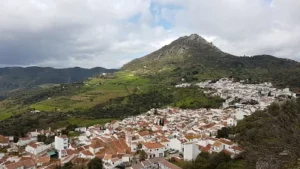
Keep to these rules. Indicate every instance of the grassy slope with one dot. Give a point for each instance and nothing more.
(95, 90)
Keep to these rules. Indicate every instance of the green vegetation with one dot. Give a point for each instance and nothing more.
(95, 163)
(155, 97)
(194, 59)
(213, 161)
(96, 90)
(23, 78)
(271, 137)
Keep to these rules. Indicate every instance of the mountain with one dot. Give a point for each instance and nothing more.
(18, 77)
(193, 58)
(180, 52)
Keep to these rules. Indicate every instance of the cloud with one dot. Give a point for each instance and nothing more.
(245, 27)
(89, 33)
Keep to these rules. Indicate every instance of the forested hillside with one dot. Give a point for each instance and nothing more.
(271, 137)
(17, 77)
(193, 59)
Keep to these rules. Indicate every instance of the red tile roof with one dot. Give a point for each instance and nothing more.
(3, 139)
(153, 145)
(225, 141)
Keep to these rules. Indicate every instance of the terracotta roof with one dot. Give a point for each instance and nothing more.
(71, 152)
(144, 133)
(153, 145)
(3, 139)
(164, 140)
(43, 159)
(14, 165)
(206, 149)
(107, 157)
(97, 143)
(28, 163)
(227, 152)
(237, 148)
(217, 144)
(192, 136)
(208, 125)
(87, 153)
(226, 141)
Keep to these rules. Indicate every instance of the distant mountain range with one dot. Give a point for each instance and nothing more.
(189, 58)
(192, 58)
(18, 77)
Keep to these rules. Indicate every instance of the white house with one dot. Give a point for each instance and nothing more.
(127, 158)
(96, 146)
(61, 142)
(176, 144)
(191, 151)
(111, 163)
(231, 122)
(81, 129)
(23, 141)
(218, 147)
(154, 149)
(166, 143)
(115, 124)
(37, 148)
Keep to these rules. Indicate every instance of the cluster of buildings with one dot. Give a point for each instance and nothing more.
(157, 135)
(241, 98)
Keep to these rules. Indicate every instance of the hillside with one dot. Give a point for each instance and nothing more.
(193, 58)
(101, 98)
(271, 137)
(142, 84)
(17, 77)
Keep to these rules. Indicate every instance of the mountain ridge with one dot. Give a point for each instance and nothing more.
(25, 77)
(192, 58)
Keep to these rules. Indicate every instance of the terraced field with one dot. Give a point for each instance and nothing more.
(96, 90)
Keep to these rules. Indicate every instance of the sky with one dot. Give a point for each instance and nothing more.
(110, 33)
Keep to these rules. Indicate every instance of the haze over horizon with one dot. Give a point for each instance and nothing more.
(91, 33)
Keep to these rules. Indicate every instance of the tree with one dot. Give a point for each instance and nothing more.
(95, 163)
(223, 133)
(139, 146)
(142, 155)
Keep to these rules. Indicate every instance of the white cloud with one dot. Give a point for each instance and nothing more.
(245, 27)
(88, 33)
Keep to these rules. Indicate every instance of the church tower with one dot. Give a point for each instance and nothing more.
(128, 137)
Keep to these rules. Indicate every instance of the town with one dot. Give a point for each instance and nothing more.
(152, 139)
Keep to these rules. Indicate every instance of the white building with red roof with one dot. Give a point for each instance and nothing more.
(37, 148)
(154, 149)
